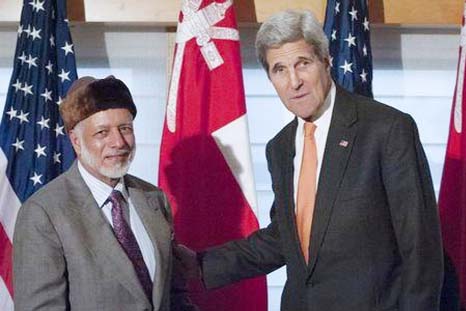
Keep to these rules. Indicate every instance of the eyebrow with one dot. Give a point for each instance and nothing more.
(300, 58)
(311, 58)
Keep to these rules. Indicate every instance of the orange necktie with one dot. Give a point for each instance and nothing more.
(306, 189)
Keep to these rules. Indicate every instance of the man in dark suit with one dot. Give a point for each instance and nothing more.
(370, 240)
(96, 238)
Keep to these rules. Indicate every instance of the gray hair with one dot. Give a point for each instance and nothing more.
(290, 26)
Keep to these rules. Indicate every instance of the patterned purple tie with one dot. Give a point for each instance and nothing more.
(128, 242)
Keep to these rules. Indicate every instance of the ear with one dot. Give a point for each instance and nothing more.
(75, 141)
(327, 63)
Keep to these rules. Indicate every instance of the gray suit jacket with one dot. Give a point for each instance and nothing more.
(375, 241)
(66, 256)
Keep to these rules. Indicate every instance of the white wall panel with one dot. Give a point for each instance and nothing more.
(255, 80)
(266, 116)
(145, 163)
(432, 114)
(274, 297)
(264, 198)
(435, 154)
(261, 172)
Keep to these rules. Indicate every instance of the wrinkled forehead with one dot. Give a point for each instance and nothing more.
(291, 50)
(114, 117)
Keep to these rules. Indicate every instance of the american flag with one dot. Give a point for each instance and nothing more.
(347, 28)
(34, 147)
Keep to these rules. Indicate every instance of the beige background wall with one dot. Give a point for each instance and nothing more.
(427, 12)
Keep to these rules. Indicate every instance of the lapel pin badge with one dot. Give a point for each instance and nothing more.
(343, 143)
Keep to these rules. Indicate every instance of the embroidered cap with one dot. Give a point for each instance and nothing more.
(89, 95)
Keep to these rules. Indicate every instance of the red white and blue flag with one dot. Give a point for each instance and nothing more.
(205, 160)
(347, 28)
(34, 148)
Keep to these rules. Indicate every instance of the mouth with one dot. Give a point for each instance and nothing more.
(118, 156)
(299, 96)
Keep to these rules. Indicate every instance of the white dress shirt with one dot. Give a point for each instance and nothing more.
(101, 191)
(322, 120)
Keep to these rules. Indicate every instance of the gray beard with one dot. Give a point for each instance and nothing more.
(117, 171)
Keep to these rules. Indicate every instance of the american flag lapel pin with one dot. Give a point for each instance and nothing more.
(343, 143)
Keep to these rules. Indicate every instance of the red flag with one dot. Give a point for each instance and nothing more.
(452, 199)
(205, 161)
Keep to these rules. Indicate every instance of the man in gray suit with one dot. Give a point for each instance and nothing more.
(96, 238)
(367, 237)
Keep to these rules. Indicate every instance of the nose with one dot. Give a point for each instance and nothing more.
(117, 140)
(295, 80)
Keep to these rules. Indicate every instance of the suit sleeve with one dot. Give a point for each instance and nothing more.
(258, 254)
(38, 262)
(411, 197)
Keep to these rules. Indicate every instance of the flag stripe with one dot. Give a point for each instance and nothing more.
(230, 140)
(7, 195)
(6, 257)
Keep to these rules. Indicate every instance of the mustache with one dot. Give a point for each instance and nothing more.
(120, 152)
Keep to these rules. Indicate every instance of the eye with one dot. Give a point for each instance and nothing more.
(126, 129)
(304, 63)
(278, 70)
(101, 133)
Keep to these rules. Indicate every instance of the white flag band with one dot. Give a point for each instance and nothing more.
(198, 24)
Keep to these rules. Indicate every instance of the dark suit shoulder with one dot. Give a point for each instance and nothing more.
(370, 109)
(375, 121)
(380, 118)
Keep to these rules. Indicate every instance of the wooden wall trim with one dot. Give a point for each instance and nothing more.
(165, 13)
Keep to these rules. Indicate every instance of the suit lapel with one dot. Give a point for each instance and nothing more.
(338, 148)
(101, 240)
(148, 209)
(286, 150)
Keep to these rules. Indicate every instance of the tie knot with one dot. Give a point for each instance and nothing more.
(116, 197)
(309, 129)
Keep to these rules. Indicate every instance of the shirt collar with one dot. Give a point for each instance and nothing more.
(100, 190)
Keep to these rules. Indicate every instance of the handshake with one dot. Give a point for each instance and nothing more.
(187, 261)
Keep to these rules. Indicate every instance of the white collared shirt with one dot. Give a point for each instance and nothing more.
(322, 121)
(101, 191)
